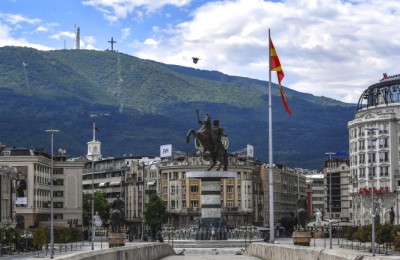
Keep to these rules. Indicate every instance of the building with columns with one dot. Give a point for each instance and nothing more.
(374, 142)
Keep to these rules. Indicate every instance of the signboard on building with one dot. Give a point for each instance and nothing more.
(250, 151)
(166, 150)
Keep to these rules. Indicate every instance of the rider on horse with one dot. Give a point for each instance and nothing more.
(209, 139)
(301, 206)
(117, 214)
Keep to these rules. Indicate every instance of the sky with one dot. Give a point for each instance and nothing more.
(331, 48)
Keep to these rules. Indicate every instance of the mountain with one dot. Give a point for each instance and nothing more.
(139, 105)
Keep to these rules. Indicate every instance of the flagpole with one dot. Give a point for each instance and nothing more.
(271, 165)
(94, 130)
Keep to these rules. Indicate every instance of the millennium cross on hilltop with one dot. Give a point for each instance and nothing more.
(112, 43)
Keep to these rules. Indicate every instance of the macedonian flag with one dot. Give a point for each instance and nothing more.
(275, 65)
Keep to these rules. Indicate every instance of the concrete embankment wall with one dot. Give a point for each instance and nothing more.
(291, 252)
(147, 251)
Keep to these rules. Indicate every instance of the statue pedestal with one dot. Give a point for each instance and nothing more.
(210, 191)
(116, 239)
(319, 234)
(301, 238)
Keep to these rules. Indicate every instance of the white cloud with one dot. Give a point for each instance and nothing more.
(89, 39)
(114, 10)
(126, 32)
(150, 42)
(41, 29)
(16, 19)
(326, 47)
(7, 40)
(63, 34)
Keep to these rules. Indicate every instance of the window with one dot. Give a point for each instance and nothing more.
(194, 203)
(371, 143)
(383, 128)
(194, 188)
(58, 205)
(229, 188)
(362, 172)
(372, 170)
(361, 144)
(361, 131)
(183, 203)
(58, 182)
(58, 171)
(361, 158)
(383, 156)
(383, 142)
(58, 194)
(172, 204)
(172, 190)
(384, 171)
(371, 156)
(230, 203)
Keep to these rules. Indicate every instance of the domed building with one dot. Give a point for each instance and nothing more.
(374, 141)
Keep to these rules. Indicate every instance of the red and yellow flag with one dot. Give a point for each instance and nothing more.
(275, 65)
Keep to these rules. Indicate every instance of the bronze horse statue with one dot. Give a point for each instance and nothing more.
(116, 220)
(301, 206)
(209, 138)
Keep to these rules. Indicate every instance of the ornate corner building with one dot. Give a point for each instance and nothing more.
(374, 141)
(241, 197)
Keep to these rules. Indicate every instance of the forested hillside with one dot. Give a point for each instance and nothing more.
(139, 105)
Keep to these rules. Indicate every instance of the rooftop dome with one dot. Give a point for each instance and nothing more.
(386, 92)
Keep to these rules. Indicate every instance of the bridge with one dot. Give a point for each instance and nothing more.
(283, 249)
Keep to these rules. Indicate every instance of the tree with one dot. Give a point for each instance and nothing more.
(385, 234)
(155, 214)
(363, 234)
(39, 238)
(288, 222)
(100, 205)
(350, 233)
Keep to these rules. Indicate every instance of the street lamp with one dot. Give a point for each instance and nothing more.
(330, 198)
(371, 177)
(52, 133)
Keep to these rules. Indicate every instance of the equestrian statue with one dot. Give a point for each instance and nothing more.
(211, 139)
(301, 206)
(117, 215)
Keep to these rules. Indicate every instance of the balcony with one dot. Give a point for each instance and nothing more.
(193, 210)
(232, 209)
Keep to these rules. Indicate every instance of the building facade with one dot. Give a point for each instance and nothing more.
(316, 192)
(241, 197)
(32, 210)
(374, 140)
(337, 189)
(288, 184)
(125, 177)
